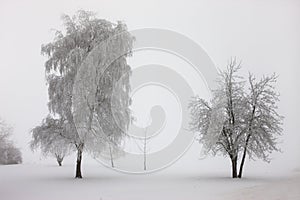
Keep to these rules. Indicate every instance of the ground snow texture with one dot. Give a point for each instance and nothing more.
(45, 182)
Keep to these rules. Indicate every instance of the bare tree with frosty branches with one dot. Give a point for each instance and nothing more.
(247, 120)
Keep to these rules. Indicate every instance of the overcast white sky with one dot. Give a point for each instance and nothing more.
(263, 33)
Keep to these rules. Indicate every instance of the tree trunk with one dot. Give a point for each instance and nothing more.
(111, 157)
(79, 158)
(246, 144)
(242, 164)
(59, 161)
(234, 166)
(145, 153)
(243, 158)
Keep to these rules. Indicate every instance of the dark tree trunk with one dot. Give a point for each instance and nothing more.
(59, 159)
(246, 144)
(78, 162)
(234, 166)
(59, 162)
(242, 164)
(244, 157)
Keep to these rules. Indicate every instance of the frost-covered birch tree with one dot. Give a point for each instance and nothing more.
(48, 137)
(248, 119)
(67, 55)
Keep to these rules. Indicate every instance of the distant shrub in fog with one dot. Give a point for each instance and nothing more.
(9, 154)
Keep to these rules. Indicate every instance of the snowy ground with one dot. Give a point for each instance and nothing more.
(34, 181)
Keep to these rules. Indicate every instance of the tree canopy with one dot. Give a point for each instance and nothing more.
(82, 75)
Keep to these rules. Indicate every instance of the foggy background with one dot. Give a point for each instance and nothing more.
(263, 34)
